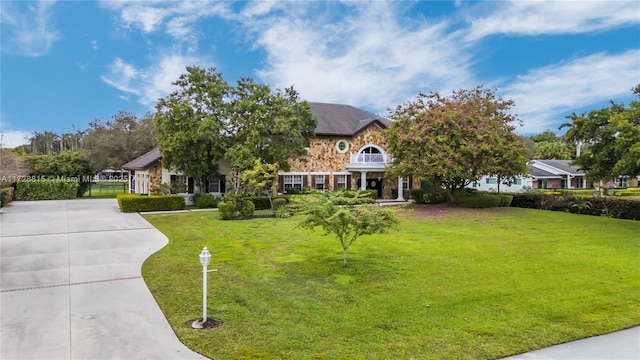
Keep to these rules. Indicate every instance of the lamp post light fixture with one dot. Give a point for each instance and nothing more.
(205, 259)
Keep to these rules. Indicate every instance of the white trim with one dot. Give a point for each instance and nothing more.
(373, 146)
(346, 148)
(294, 173)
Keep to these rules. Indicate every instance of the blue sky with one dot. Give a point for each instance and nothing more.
(66, 63)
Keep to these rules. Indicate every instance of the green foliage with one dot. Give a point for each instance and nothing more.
(6, 195)
(236, 207)
(455, 140)
(552, 150)
(419, 195)
(630, 192)
(205, 201)
(113, 143)
(485, 200)
(46, 190)
(598, 206)
(135, 203)
(282, 212)
(346, 222)
(613, 135)
(277, 203)
(263, 202)
(63, 165)
(371, 194)
(242, 124)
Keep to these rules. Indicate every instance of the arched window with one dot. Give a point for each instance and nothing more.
(371, 154)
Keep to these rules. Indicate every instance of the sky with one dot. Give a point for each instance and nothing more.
(67, 63)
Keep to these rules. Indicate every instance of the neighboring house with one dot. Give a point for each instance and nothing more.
(489, 183)
(348, 151)
(556, 174)
(541, 174)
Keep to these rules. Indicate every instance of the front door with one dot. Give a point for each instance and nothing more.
(375, 184)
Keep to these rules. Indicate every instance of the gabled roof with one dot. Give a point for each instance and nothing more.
(563, 166)
(541, 174)
(343, 120)
(144, 161)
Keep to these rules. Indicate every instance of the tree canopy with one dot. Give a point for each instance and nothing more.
(613, 136)
(206, 120)
(456, 140)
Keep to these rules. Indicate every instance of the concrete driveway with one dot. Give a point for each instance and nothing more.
(71, 284)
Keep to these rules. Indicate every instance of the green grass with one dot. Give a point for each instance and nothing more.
(464, 284)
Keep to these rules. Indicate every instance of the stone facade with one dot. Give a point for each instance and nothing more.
(323, 157)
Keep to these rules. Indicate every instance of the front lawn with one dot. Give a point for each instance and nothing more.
(449, 284)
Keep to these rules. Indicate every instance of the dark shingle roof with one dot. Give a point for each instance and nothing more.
(343, 120)
(539, 173)
(564, 165)
(144, 161)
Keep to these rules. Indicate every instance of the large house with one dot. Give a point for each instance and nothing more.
(348, 151)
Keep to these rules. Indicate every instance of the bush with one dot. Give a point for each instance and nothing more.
(483, 200)
(205, 201)
(598, 206)
(418, 195)
(234, 207)
(372, 194)
(6, 195)
(282, 212)
(134, 203)
(46, 190)
(278, 203)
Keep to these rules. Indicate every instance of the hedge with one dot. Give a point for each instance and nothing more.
(262, 202)
(236, 208)
(484, 200)
(206, 201)
(134, 203)
(46, 190)
(6, 195)
(596, 206)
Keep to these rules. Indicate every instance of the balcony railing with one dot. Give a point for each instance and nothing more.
(364, 158)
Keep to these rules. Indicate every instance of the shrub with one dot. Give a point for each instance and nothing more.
(205, 201)
(598, 206)
(483, 200)
(372, 194)
(282, 212)
(278, 203)
(134, 203)
(234, 207)
(46, 190)
(160, 189)
(418, 195)
(6, 195)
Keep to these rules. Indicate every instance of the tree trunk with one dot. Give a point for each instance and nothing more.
(344, 257)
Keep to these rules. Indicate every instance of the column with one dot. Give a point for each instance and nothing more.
(363, 180)
(400, 189)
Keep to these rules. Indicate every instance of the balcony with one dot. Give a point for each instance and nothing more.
(369, 159)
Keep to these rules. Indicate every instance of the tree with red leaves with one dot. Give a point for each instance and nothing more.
(455, 140)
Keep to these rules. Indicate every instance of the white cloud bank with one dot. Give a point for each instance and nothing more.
(544, 96)
(525, 18)
(30, 32)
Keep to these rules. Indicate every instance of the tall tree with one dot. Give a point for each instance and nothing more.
(206, 120)
(455, 140)
(112, 143)
(613, 135)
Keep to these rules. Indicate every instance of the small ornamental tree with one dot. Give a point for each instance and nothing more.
(261, 179)
(455, 140)
(346, 222)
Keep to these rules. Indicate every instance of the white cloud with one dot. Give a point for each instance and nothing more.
(371, 57)
(94, 45)
(31, 32)
(553, 17)
(544, 96)
(12, 138)
(152, 82)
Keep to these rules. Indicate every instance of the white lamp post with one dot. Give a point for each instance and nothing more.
(205, 259)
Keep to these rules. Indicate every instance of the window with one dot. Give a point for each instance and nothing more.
(216, 184)
(492, 181)
(342, 146)
(517, 181)
(181, 180)
(406, 185)
(475, 184)
(292, 182)
(342, 182)
(319, 181)
(542, 183)
(622, 182)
